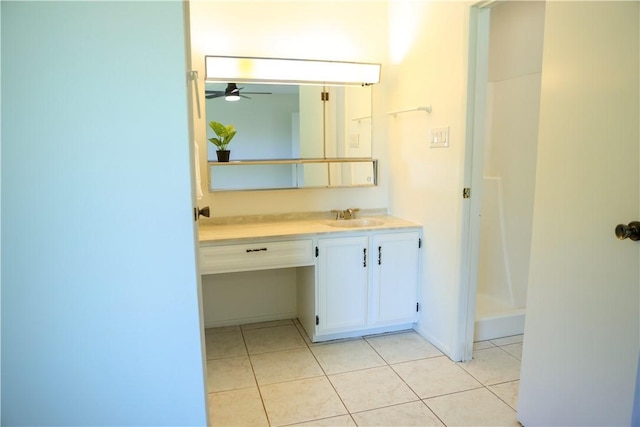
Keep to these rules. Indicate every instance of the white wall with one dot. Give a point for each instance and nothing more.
(428, 47)
(100, 315)
(513, 92)
(295, 30)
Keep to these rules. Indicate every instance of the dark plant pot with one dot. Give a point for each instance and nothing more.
(223, 155)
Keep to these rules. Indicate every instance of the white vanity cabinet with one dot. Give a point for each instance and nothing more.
(366, 284)
(393, 298)
(343, 282)
(340, 280)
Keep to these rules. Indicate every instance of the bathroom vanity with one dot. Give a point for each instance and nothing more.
(353, 277)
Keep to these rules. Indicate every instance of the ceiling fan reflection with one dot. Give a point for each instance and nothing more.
(231, 93)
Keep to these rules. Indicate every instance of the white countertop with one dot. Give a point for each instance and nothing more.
(242, 230)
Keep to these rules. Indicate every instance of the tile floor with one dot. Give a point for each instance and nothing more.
(270, 374)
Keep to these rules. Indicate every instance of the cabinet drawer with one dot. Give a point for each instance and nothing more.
(255, 256)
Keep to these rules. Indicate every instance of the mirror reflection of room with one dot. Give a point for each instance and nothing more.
(284, 121)
(293, 174)
(264, 118)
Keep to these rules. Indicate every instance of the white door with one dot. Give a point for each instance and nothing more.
(582, 329)
(394, 281)
(342, 284)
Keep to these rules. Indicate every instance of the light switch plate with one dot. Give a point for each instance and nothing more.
(439, 137)
(354, 140)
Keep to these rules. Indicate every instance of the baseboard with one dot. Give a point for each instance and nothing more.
(245, 320)
(490, 328)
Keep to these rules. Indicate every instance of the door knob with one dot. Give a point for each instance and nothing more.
(206, 212)
(631, 231)
(197, 213)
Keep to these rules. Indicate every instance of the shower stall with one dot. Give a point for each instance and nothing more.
(500, 309)
(512, 110)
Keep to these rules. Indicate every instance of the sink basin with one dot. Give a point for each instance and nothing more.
(355, 223)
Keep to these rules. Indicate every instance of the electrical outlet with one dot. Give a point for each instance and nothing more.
(439, 137)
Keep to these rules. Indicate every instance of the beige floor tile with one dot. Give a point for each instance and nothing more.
(474, 408)
(341, 421)
(507, 392)
(249, 326)
(371, 389)
(492, 366)
(295, 390)
(403, 347)
(302, 400)
(277, 338)
(237, 408)
(229, 374)
(285, 365)
(407, 414)
(222, 329)
(481, 345)
(514, 339)
(227, 344)
(435, 377)
(346, 356)
(514, 349)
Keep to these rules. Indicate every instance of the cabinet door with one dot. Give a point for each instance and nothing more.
(394, 284)
(342, 284)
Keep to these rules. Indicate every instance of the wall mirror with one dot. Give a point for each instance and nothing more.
(292, 132)
(287, 174)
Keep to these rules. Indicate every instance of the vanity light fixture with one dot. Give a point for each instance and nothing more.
(275, 70)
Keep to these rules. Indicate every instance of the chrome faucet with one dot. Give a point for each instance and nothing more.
(349, 213)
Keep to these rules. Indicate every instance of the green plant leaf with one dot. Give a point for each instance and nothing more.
(215, 141)
(225, 134)
(218, 128)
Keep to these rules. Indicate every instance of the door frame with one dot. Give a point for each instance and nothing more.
(478, 67)
(189, 79)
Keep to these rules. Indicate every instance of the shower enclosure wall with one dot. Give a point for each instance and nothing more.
(513, 100)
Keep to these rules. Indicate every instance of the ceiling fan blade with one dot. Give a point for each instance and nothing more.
(258, 93)
(213, 94)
